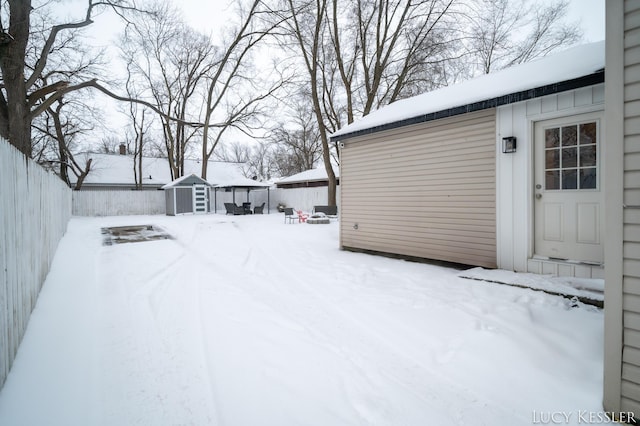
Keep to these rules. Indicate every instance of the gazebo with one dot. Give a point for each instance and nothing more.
(243, 184)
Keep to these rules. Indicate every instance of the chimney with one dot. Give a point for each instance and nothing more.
(123, 149)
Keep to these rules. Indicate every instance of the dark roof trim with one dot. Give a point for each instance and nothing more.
(550, 89)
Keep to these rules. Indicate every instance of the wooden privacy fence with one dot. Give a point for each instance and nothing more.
(302, 198)
(35, 207)
(298, 198)
(118, 203)
(127, 202)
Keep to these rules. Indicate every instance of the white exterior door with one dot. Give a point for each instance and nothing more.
(199, 199)
(568, 188)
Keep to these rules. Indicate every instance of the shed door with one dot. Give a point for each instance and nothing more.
(184, 200)
(568, 196)
(199, 199)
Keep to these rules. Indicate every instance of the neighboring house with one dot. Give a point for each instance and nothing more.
(505, 170)
(622, 240)
(308, 179)
(115, 172)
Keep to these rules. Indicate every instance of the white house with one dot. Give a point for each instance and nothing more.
(114, 172)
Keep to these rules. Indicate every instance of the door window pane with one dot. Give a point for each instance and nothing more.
(587, 156)
(552, 179)
(588, 178)
(570, 179)
(571, 157)
(552, 138)
(569, 135)
(552, 159)
(588, 132)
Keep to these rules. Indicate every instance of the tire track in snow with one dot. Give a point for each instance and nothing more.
(150, 344)
(410, 373)
(206, 349)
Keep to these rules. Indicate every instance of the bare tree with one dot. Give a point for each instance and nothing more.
(168, 61)
(109, 144)
(21, 98)
(360, 55)
(57, 131)
(508, 32)
(260, 164)
(141, 122)
(296, 143)
(64, 131)
(235, 91)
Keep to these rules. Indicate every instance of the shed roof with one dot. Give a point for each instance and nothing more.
(187, 180)
(577, 67)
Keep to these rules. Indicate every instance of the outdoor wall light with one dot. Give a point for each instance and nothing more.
(509, 144)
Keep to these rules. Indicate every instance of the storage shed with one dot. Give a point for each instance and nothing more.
(500, 171)
(188, 194)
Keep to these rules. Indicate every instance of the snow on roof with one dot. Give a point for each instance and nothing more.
(579, 61)
(113, 169)
(241, 182)
(192, 177)
(319, 173)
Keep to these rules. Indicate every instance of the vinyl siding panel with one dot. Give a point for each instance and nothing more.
(630, 388)
(426, 190)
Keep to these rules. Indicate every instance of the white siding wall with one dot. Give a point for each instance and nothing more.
(35, 207)
(622, 288)
(515, 178)
(117, 203)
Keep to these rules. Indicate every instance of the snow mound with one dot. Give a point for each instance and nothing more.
(583, 288)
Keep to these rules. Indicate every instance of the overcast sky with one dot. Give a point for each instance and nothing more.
(591, 15)
(209, 16)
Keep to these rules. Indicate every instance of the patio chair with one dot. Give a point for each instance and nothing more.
(259, 209)
(290, 215)
(302, 216)
(330, 211)
(234, 209)
(247, 208)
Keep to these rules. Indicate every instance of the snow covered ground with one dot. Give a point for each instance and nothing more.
(247, 320)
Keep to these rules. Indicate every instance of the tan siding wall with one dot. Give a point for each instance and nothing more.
(426, 190)
(630, 389)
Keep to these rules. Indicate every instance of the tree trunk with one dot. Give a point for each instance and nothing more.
(83, 174)
(205, 148)
(15, 120)
(62, 145)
